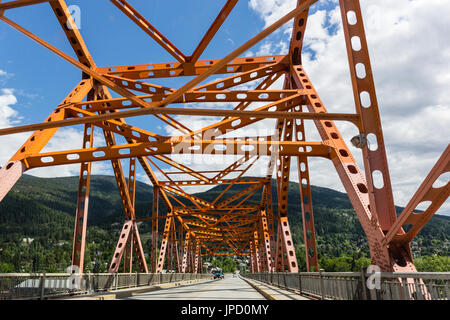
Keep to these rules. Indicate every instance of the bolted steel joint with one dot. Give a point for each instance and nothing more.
(359, 141)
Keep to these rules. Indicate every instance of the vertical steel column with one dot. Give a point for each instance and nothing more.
(178, 246)
(283, 172)
(256, 251)
(252, 258)
(348, 170)
(169, 256)
(309, 234)
(79, 238)
(280, 263)
(266, 243)
(197, 254)
(298, 32)
(155, 220)
(162, 252)
(192, 245)
(271, 227)
(128, 255)
(132, 180)
(186, 253)
(375, 161)
(138, 249)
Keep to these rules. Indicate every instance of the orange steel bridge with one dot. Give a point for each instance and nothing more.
(194, 227)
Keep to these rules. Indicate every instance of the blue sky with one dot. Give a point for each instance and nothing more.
(33, 80)
(41, 79)
(112, 39)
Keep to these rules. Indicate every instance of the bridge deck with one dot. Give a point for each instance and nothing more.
(225, 289)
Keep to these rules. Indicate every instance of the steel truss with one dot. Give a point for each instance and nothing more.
(236, 225)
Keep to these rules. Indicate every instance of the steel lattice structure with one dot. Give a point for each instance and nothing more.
(195, 227)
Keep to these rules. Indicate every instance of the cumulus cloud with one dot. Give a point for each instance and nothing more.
(64, 139)
(409, 55)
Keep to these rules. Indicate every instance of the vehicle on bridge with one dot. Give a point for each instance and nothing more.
(217, 273)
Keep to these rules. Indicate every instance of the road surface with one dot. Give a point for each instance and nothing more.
(222, 289)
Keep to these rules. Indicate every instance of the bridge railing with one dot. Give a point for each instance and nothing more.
(50, 285)
(362, 286)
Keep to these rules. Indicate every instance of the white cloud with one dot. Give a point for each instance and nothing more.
(64, 139)
(409, 48)
(8, 117)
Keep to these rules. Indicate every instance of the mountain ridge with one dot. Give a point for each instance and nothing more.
(44, 208)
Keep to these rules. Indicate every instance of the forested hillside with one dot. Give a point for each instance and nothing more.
(37, 218)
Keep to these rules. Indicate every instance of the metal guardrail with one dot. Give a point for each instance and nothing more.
(42, 285)
(353, 285)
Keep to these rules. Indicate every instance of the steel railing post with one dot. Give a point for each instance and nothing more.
(363, 284)
(90, 286)
(300, 282)
(322, 284)
(42, 286)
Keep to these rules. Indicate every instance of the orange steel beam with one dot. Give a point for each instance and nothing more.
(428, 191)
(14, 168)
(87, 70)
(82, 204)
(196, 96)
(309, 235)
(73, 34)
(227, 147)
(250, 116)
(186, 183)
(148, 28)
(237, 178)
(177, 94)
(177, 69)
(19, 3)
(229, 5)
(298, 33)
(375, 161)
(351, 176)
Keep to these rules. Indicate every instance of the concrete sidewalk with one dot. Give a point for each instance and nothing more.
(128, 292)
(273, 293)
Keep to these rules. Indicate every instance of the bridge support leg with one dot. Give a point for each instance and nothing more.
(128, 256)
(271, 227)
(9, 175)
(256, 252)
(187, 240)
(267, 245)
(197, 257)
(155, 220)
(252, 258)
(164, 243)
(120, 247)
(309, 234)
(139, 250)
(79, 238)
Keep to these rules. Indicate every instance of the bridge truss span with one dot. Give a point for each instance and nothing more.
(244, 216)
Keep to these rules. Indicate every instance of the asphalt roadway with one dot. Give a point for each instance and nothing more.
(229, 288)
